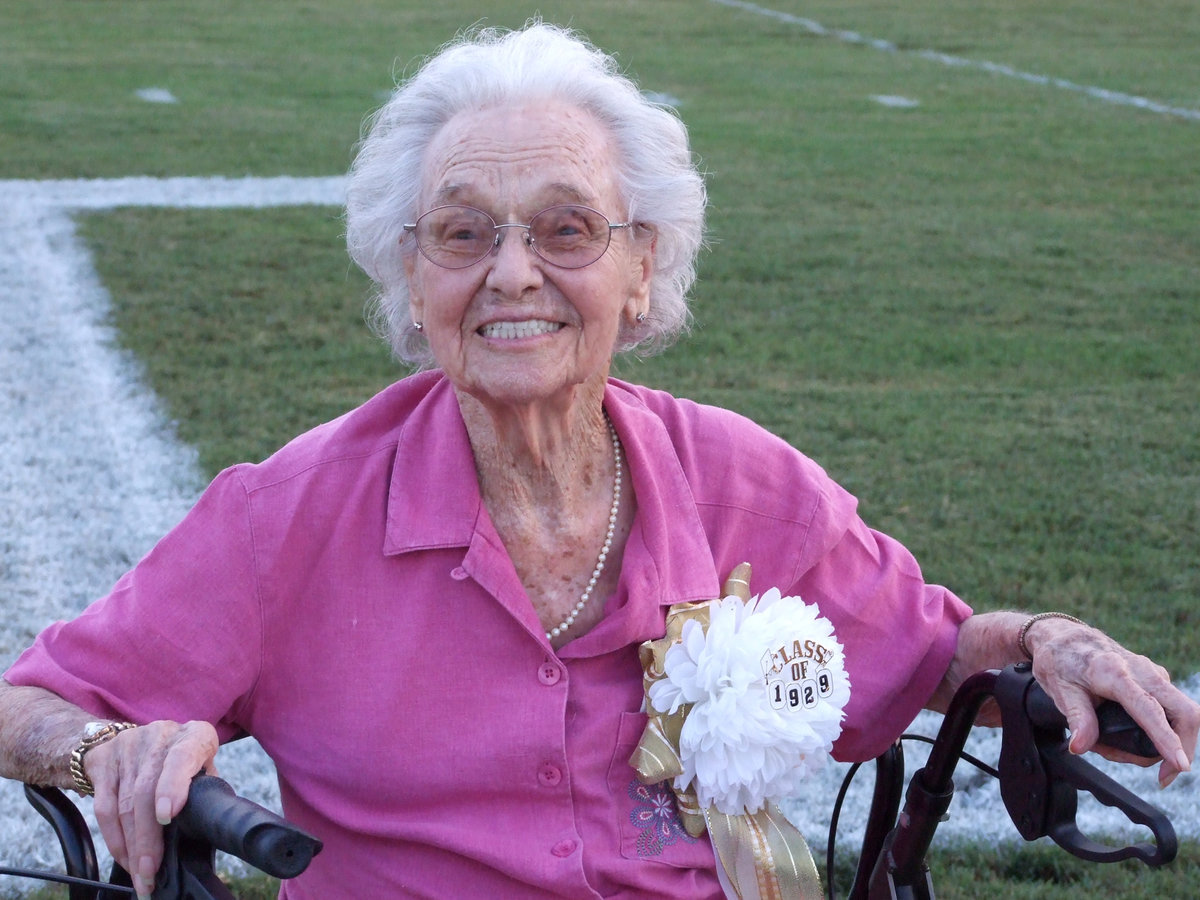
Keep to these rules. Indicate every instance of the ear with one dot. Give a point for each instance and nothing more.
(641, 271)
(416, 300)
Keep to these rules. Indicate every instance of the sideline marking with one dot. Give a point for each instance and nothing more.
(64, 195)
(946, 59)
(83, 440)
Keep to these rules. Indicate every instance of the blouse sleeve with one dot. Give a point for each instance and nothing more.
(898, 632)
(179, 636)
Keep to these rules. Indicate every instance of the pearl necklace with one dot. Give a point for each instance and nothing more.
(608, 537)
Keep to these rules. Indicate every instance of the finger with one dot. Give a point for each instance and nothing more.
(101, 768)
(1155, 719)
(135, 807)
(1183, 714)
(192, 751)
(1077, 706)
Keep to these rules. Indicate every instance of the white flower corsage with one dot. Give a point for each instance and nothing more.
(744, 699)
(762, 688)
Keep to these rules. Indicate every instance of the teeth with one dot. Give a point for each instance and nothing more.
(511, 330)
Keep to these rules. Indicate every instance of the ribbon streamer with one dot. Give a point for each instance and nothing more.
(762, 856)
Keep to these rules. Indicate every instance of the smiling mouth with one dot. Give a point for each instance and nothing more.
(512, 330)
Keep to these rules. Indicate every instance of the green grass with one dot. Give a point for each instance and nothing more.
(1044, 872)
(981, 314)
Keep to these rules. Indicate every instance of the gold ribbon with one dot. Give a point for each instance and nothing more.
(764, 856)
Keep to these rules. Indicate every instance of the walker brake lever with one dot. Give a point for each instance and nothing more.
(1069, 773)
(1040, 778)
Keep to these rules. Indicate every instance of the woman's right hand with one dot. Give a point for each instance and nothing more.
(142, 777)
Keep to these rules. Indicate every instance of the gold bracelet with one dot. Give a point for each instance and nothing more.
(1029, 622)
(94, 734)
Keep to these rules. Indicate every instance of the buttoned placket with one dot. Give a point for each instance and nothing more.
(485, 564)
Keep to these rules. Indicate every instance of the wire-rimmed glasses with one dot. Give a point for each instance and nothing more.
(569, 237)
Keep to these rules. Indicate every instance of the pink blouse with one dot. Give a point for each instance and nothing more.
(349, 603)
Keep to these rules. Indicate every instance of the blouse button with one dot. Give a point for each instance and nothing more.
(458, 573)
(549, 775)
(548, 673)
(563, 848)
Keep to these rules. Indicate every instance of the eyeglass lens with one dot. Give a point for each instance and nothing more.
(459, 236)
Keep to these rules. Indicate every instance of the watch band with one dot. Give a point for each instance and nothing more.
(94, 734)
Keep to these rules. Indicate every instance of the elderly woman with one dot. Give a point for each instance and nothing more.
(429, 610)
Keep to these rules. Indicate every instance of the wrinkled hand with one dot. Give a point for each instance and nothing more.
(1080, 666)
(142, 778)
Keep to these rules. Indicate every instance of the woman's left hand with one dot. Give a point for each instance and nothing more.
(1080, 666)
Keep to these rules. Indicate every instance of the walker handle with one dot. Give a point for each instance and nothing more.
(216, 815)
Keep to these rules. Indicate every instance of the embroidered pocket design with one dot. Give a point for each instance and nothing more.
(655, 818)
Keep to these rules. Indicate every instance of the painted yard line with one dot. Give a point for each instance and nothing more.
(197, 192)
(91, 474)
(946, 59)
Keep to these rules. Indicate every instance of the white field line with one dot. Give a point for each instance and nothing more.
(853, 37)
(91, 475)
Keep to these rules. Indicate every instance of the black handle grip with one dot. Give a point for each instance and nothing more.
(216, 815)
(1117, 728)
(1119, 731)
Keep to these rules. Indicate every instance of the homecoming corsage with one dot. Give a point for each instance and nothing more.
(745, 697)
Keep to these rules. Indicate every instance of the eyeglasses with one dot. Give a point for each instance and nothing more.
(569, 237)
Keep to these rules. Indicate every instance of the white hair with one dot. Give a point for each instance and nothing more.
(656, 176)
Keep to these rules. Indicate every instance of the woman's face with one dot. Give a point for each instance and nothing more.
(513, 329)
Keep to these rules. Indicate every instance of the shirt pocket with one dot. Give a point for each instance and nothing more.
(650, 827)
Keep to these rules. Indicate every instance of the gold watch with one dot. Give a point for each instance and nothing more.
(94, 734)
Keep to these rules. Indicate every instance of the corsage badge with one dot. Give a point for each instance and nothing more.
(745, 697)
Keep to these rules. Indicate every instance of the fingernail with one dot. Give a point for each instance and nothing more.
(147, 872)
(162, 811)
(1181, 762)
(1165, 783)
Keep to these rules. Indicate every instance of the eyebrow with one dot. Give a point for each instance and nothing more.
(452, 193)
(448, 192)
(571, 192)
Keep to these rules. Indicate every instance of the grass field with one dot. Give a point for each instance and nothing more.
(981, 313)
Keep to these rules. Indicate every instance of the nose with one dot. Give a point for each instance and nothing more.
(513, 269)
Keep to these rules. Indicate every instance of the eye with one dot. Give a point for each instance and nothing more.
(461, 228)
(455, 227)
(565, 225)
(460, 233)
(568, 226)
